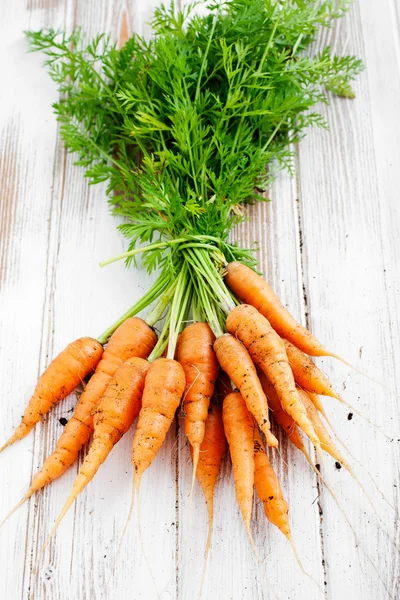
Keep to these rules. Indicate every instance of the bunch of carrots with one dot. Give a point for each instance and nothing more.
(225, 385)
(181, 128)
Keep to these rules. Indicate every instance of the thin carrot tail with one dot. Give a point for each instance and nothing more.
(297, 557)
(251, 540)
(210, 510)
(368, 497)
(28, 494)
(196, 456)
(137, 485)
(372, 480)
(19, 434)
(359, 414)
(333, 430)
(382, 385)
(123, 533)
(80, 483)
(340, 507)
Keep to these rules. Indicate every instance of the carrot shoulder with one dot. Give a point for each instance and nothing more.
(60, 378)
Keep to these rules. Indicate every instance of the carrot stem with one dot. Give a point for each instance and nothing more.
(179, 306)
(154, 292)
(159, 309)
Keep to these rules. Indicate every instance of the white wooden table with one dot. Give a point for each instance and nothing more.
(330, 245)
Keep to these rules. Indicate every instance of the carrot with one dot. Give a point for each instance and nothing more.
(306, 373)
(115, 413)
(268, 353)
(165, 384)
(268, 488)
(133, 338)
(236, 362)
(212, 449)
(199, 362)
(239, 426)
(252, 289)
(60, 378)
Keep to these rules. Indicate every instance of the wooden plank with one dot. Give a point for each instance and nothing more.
(349, 225)
(28, 138)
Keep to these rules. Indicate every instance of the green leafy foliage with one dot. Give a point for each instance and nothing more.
(182, 127)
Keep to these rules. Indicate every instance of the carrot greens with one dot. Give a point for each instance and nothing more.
(181, 127)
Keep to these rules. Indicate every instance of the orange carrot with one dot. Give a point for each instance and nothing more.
(60, 378)
(268, 353)
(115, 413)
(133, 338)
(306, 373)
(236, 362)
(268, 488)
(239, 426)
(165, 384)
(212, 449)
(199, 362)
(252, 289)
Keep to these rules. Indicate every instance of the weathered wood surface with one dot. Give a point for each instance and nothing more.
(329, 243)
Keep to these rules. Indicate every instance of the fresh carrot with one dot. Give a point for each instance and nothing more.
(115, 413)
(268, 353)
(239, 426)
(165, 384)
(306, 373)
(268, 488)
(60, 378)
(212, 450)
(200, 364)
(236, 362)
(252, 289)
(133, 338)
